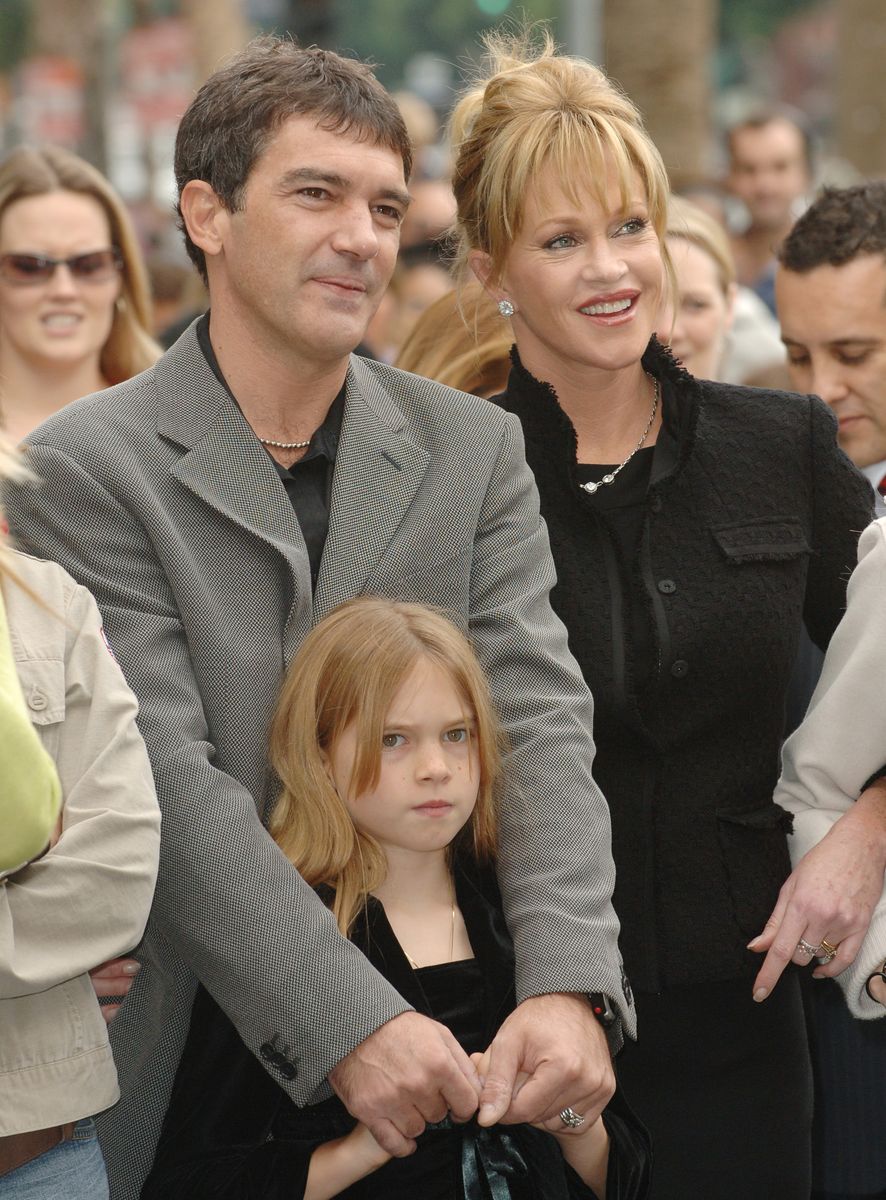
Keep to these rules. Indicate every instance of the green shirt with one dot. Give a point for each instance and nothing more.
(30, 792)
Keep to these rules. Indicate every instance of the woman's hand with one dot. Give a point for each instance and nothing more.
(114, 979)
(830, 895)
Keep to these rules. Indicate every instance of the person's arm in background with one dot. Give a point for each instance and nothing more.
(88, 897)
(838, 846)
(30, 796)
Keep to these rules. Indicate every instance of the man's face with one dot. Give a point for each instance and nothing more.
(306, 260)
(768, 172)
(833, 323)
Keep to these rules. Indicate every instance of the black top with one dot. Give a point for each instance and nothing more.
(747, 527)
(622, 507)
(308, 482)
(232, 1134)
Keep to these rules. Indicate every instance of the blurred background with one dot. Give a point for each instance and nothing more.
(110, 78)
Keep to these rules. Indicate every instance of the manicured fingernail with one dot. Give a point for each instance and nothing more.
(132, 968)
(761, 994)
(754, 941)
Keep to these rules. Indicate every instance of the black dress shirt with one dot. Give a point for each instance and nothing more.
(308, 482)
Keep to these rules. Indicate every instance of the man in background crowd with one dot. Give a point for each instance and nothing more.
(830, 290)
(831, 295)
(770, 171)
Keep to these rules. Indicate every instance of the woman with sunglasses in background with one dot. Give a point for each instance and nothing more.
(74, 299)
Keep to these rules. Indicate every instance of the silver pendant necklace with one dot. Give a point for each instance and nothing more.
(590, 487)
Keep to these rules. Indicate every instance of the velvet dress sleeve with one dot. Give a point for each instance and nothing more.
(220, 1135)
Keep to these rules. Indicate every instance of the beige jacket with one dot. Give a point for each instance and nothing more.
(87, 899)
(842, 740)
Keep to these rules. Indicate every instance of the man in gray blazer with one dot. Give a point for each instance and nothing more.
(221, 503)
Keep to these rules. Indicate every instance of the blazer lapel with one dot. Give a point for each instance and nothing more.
(226, 467)
(378, 471)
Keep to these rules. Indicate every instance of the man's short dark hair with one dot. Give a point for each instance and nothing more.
(238, 109)
(842, 224)
(776, 115)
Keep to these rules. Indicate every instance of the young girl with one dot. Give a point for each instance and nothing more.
(388, 750)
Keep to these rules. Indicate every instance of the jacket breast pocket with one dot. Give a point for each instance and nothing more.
(756, 861)
(43, 687)
(766, 539)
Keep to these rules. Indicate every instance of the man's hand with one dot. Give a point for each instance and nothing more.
(831, 894)
(410, 1071)
(114, 978)
(550, 1054)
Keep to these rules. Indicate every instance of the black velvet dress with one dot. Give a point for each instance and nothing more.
(232, 1133)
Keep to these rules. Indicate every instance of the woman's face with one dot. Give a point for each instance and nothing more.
(586, 280)
(697, 332)
(64, 320)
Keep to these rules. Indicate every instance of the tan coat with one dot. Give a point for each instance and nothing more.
(88, 898)
(842, 741)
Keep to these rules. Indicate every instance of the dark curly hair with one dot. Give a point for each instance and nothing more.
(842, 224)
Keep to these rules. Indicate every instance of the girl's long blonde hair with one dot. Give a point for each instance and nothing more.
(348, 670)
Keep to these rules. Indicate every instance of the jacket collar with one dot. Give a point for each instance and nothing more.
(377, 474)
(477, 898)
(546, 424)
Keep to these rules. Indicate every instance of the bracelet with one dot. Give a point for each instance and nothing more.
(880, 973)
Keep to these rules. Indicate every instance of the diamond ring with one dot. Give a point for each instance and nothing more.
(571, 1118)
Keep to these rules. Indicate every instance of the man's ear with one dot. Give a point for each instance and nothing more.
(204, 216)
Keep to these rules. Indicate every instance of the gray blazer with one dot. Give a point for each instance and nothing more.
(158, 497)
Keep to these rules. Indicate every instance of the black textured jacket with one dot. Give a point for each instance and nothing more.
(751, 524)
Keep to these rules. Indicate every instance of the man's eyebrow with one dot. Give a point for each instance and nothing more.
(301, 175)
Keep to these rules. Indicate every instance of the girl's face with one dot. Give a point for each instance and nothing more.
(697, 331)
(66, 319)
(430, 773)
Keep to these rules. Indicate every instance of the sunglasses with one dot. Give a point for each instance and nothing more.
(26, 269)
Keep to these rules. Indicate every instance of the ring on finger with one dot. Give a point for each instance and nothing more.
(827, 952)
(570, 1118)
(807, 948)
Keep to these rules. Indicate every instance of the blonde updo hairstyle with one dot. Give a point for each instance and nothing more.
(540, 115)
(36, 171)
(691, 223)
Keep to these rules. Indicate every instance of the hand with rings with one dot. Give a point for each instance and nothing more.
(823, 909)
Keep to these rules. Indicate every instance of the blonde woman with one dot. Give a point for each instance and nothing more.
(74, 300)
(460, 341)
(693, 527)
(696, 325)
(87, 897)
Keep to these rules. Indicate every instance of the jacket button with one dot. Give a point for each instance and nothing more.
(288, 1070)
(667, 587)
(36, 700)
(655, 504)
(267, 1051)
(680, 668)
